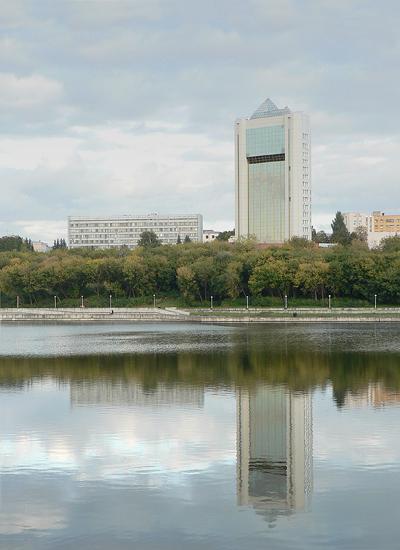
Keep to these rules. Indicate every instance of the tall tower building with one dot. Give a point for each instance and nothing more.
(273, 174)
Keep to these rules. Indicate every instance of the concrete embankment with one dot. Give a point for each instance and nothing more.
(254, 315)
(92, 314)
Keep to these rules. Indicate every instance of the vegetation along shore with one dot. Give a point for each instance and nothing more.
(296, 274)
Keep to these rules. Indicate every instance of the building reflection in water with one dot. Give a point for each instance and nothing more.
(375, 396)
(104, 392)
(274, 449)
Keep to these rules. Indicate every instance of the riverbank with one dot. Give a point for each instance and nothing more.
(232, 315)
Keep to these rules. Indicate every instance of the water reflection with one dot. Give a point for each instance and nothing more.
(105, 392)
(202, 448)
(274, 448)
(375, 395)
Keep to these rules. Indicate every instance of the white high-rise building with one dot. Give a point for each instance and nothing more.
(273, 174)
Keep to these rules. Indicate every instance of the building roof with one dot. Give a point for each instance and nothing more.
(268, 108)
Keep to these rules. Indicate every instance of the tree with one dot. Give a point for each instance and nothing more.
(178, 240)
(390, 244)
(361, 233)
(321, 237)
(340, 233)
(15, 242)
(187, 239)
(224, 235)
(187, 283)
(59, 243)
(337, 222)
(149, 239)
(300, 242)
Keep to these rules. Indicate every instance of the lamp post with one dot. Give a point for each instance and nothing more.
(154, 300)
(110, 301)
(329, 301)
(17, 301)
(375, 301)
(81, 301)
(211, 302)
(247, 302)
(55, 301)
(285, 301)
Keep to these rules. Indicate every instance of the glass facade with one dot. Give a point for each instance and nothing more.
(266, 176)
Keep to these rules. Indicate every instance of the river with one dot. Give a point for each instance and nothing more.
(175, 436)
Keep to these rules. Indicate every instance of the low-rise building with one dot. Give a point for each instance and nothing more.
(38, 246)
(108, 232)
(209, 235)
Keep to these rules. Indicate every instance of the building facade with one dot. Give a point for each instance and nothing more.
(352, 220)
(273, 174)
(108, 232)
(38, 246)
(209, 235)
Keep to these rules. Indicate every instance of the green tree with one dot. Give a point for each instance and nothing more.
(340, 233)
(149, 239)
(187, 283)
(15, 242)
(311, 277)
(390, 244)
(321, 237)
(59, 243)
(187, 239)
(224, 235)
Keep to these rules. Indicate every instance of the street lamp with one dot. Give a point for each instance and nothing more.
(329, 301)
(154, 300)
(247, 302)
(55, 301)
(110, 301)
(211, 302)
(285, 301)
(82, 301)
(17, 301)
(375, 301)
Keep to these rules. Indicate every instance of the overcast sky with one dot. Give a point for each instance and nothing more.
(111, 107)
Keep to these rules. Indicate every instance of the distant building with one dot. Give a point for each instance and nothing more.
(108, 232)
(352, 220)
(378, 225)
(38, 246)
(209, 235)
(273, 174)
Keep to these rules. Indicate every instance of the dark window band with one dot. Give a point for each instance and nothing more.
(266, 158)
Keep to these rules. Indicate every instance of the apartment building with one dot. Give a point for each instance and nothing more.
(107, 232)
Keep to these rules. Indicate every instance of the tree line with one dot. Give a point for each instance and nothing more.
(192, 272)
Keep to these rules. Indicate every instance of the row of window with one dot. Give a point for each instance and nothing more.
(135, 224)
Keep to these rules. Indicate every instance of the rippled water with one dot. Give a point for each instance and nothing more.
(159, 436)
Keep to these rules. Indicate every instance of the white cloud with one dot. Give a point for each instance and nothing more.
(27, 92)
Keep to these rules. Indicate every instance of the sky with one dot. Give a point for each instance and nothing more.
(113, 107)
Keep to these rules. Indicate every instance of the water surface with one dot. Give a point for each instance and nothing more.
(158, 436)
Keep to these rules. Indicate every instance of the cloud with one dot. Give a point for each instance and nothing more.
(22, 93)
(178, 74)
